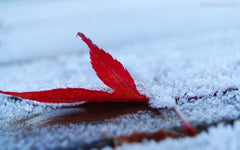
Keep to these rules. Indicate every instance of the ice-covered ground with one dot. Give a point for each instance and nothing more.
(221, 137)
(172, 49)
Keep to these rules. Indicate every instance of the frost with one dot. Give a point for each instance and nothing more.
(179, 50)
(221, 138)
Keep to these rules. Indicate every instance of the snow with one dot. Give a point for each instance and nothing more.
(29, 135)
(172, 49)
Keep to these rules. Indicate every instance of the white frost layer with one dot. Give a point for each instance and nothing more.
(221, 138)
(191, 51)
(29, 134)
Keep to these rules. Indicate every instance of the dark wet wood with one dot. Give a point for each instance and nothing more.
(86, 112)
(140, 136)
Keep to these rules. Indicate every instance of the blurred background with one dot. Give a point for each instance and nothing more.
(31, 29)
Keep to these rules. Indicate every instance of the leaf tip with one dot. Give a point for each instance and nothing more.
(80, 34)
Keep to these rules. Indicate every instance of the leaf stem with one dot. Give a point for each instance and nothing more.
(188, 128)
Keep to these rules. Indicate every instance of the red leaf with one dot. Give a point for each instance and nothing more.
(109, 70)
(73, 95)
